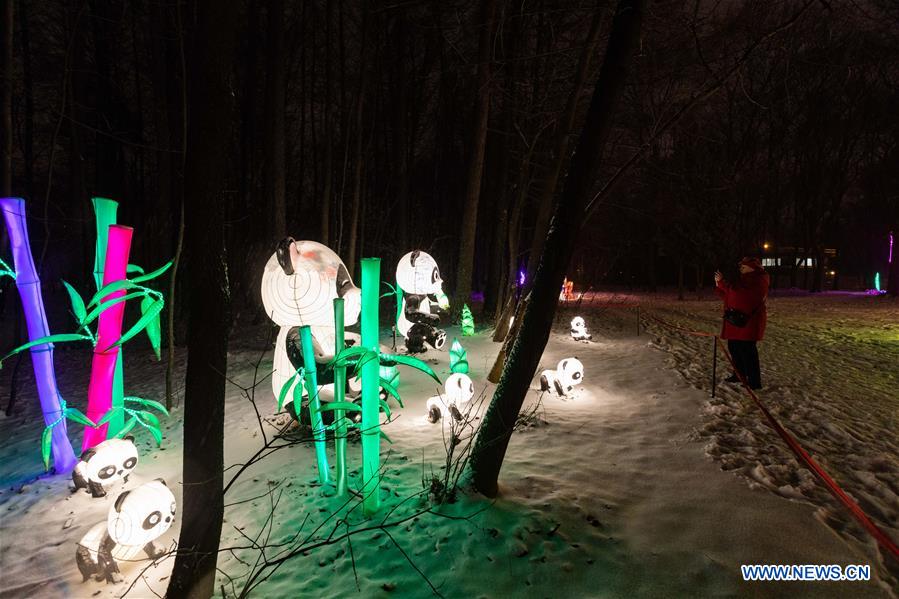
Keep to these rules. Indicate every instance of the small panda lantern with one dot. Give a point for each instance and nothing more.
(137, 518)
(579, 329)
(299, 283)
(568, 373)
(418, 276)
(104, 464)
(458, 391)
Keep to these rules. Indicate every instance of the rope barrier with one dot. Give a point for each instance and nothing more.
(881, 537)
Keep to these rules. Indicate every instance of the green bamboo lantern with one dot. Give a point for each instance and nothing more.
(458, 358)
(371, 429)
(315, 414)
(340, 424)
(467, 321)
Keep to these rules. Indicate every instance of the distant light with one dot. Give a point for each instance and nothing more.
(890, 258)
(521, 277)
(877, 281)
(766, 245)
(833, 272)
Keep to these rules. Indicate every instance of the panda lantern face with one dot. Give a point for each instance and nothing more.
(301, 280)
(141, 515)
(417, 273)
(578, 324)
(111, 460)
(570, 372)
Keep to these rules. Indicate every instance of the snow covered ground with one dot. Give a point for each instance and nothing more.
(609, 493)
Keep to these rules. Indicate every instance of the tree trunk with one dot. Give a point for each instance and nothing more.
(248, 120)
(275, 156)
(110, 116)
(560, 148)
(325, 207)
(400, 132)
(6, 65)
(206, 166)
(356, 209)
(496, 429)
(465, 263)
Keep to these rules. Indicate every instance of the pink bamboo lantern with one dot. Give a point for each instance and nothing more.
(99, 391)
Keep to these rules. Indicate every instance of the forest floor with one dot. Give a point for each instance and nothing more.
(625, 488)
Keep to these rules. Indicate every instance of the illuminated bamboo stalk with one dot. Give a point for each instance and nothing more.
(340, 429)
(109, 331)
(315, 414)
(29, 287)
(105, 212)
(371, 430)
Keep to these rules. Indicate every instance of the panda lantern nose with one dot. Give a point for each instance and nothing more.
(168, 518)
(120, 472)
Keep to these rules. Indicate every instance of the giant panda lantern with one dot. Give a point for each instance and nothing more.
(299, 285)
(418, 276)
(134, 521)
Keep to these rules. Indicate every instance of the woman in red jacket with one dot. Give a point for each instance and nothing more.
(746, 297)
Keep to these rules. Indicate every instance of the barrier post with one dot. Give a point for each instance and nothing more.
(714, 364)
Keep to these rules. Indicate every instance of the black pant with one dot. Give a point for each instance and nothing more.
(746, 359)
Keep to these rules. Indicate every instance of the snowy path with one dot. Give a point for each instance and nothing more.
(831, 372)
(612, 496)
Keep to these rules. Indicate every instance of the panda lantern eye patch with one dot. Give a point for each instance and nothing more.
(130, 463)
(152, 520)
(343, 281)
(107, 472)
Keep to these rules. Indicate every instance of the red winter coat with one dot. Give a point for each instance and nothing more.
(747, 295)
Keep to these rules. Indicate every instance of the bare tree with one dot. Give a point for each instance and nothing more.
(6, 66)
(275, 180)
(490, 447)
(209, 109)
(465, 264)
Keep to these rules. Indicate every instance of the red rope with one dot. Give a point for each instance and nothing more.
(881, 537)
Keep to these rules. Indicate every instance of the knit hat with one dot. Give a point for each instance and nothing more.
(752, 263)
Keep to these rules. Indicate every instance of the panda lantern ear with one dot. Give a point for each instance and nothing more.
(564, 363)
(88, 454)
(283, 254)
(119, 500)
(414, 257)
(162, 480)
(128, 438)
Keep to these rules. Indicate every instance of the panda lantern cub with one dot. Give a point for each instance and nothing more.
(459, 391)
(568, 373)
(104, 464)
(418, 276)
(579, 329)
(137, 518)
